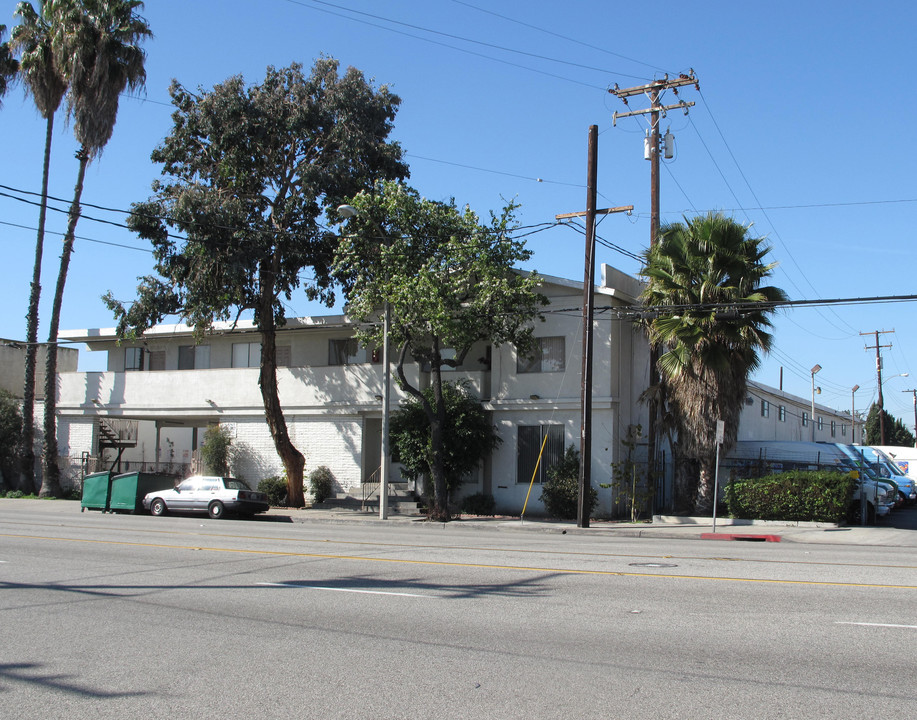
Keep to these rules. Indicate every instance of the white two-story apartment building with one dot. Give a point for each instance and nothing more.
(156, 396)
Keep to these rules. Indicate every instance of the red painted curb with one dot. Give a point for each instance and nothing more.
(740, 536)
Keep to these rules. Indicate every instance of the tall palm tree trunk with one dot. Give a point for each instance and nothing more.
(27, 476)
(50, 483)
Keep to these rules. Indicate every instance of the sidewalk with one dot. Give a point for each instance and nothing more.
(662, 527)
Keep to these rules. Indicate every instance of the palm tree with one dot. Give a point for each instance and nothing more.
(710, 271)
(97, 44)
(8, 65)
(32, 40)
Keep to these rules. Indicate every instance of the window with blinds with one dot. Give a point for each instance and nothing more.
(550, 356)
(529, 442)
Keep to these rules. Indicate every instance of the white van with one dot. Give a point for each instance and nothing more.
(905, 457)
(888, 469)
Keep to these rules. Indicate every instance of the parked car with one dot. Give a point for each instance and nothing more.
(207, 494)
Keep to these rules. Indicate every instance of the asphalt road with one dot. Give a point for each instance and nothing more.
(138, 617)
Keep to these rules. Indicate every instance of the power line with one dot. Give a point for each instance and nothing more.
(79, 237)
(455, 37)
(558, 35)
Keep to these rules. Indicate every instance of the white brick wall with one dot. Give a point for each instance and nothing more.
(335, 442)
(75, 436)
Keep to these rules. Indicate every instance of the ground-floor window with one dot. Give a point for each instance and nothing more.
(529, 441)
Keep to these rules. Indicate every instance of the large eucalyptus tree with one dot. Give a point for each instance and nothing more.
(97, 46)
(710, 272)
(32, 40)
(248, 176)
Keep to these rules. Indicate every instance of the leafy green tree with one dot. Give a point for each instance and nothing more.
(712, 273)
(96, 44)
(8, 65)
(468, 435)
(10, 441)
(896, 432)
(33, 40)
(216, 450)
(450, 284)
(247, 174)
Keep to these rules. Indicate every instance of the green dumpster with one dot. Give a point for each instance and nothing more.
(96, 491)
(128, 489)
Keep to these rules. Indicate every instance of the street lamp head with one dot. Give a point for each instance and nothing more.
(854, 388)
(816, 368)
(347, 211)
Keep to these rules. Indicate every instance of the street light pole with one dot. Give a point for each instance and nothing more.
(349, 211)
(853, 422)
(386, 389)
(812, 418)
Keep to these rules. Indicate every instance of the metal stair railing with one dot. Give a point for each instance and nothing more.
(371, 486)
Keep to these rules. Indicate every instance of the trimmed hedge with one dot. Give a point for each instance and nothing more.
(801, 495)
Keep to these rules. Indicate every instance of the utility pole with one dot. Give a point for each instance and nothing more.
(585, 468)
(651, 149)
(879, 375)
(915, 414)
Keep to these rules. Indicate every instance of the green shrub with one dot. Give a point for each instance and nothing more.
(798, 495)
(276, 490)
(479, 504)
(16, 494)
(321, 484)
(560, 494)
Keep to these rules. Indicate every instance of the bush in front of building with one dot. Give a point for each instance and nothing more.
(10, 440)
(276, 490)
(799, 495)
(216, 450)
(321, 484)
(560, 494)
(478, 504)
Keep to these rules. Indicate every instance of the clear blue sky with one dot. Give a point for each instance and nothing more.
(799, 127)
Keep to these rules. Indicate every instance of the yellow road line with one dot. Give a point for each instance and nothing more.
(518, 551)
(440, 563)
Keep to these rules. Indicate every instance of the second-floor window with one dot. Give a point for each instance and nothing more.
(765, 408)
(246, 355)
(805, 419)
(133, 358)
(193, 357)
(156, 360)
(550, 356)
(249, 355)
(346, 351)
(781, 413)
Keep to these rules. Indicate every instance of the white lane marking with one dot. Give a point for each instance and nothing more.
(349, 590)
(885, 625)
